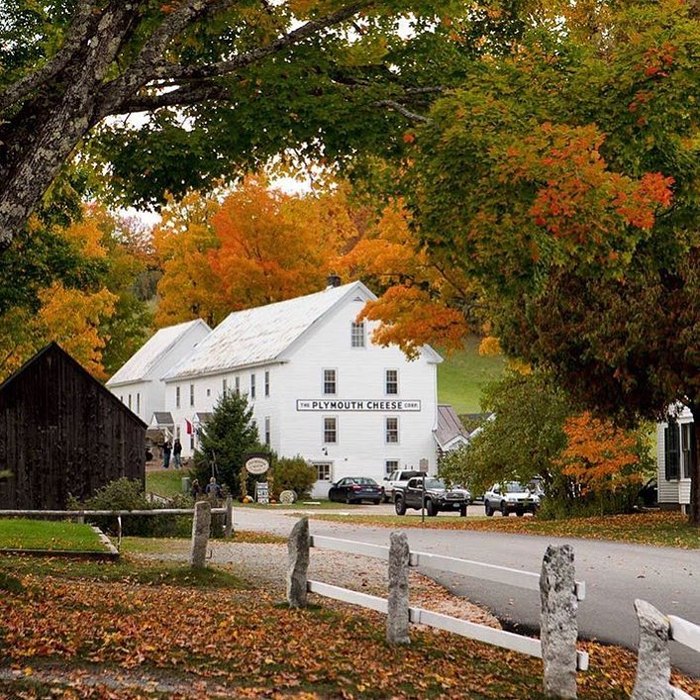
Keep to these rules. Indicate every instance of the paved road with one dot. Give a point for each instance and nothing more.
(615, 574)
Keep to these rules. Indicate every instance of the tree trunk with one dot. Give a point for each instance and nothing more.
(694, 515)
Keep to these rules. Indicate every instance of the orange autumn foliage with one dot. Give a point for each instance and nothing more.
(72, 318)
(599, 456)
(421, 304)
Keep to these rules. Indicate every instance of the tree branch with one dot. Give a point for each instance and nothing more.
(190, 94)
(78, 30)
(397, 107)
(141, 70)
(178, 72)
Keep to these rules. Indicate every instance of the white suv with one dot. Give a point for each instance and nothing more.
(398, 477)
(510, 497)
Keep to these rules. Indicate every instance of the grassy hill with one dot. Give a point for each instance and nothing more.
(462, 375)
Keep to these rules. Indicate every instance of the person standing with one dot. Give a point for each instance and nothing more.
(196, 490)
(167, 447)
(213, 490)
(177, 451)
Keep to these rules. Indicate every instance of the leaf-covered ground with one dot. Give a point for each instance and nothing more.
(663, 529)
(78, 632)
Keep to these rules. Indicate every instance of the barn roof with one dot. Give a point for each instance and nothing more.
(54, 348)
(147, 357)
(256, 336)
(449, 428)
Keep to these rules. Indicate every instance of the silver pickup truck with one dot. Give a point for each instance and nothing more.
(397, 478)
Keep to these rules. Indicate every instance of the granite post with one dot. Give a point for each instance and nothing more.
(654, 657)
(397, 613)
(201, 524)
(298, 548)
(229, 516)
(558, 626)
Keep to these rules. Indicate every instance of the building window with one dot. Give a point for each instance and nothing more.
(267, 430)
(323, 471)
(138, 403)
(191, 394)
(391, 431)
(329, 381)
(391, 382)
(357, 335)
(129, 404)
(177, 397)
(238, 385)
(390, 465)
(330, 431)
(224, 386)
(267, 383)
(672, 450)
(252, 386)
(688, 448)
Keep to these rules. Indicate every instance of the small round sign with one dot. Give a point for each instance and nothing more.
(257, 465)
(288, 497)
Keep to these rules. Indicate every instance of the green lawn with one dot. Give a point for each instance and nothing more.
(165, 482)
(462, 375)
(54, 535)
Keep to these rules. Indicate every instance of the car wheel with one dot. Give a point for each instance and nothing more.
(520, 513)
(488, 509)
(463, 512)
(400, 506)
(504, 509)
(430, 508)
(348, 500)
(377, 501)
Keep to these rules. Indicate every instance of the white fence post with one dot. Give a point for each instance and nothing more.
(201, 524)
(298, 547)
(558, 627)
(229, 516)
(654, 656)
(398, 610)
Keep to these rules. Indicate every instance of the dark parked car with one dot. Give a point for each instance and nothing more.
(433, 493)
(354, 489)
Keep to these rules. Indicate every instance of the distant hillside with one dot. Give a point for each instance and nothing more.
(462, 375)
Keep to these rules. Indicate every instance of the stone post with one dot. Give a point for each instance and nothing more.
(229, 516)
(398, 615)
(558, 627)
(201, 524)
(654, 657)
(298, 547)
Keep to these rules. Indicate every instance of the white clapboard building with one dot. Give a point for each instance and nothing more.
(676, 457)
(139, 384)
(318, 386)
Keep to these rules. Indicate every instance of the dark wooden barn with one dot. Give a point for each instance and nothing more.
(61, 433)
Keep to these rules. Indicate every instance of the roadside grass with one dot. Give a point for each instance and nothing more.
(462, 375)
(22, 533)
(67, 627)
(662, 529)
(165, 482)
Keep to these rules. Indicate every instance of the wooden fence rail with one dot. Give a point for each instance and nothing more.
(559, 677)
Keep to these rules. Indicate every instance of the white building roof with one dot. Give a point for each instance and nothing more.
(139, 365)
(260, 335)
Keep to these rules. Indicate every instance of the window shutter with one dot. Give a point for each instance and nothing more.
(693, 451)
(672, 450)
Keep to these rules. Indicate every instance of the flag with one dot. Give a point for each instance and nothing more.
(188, 427)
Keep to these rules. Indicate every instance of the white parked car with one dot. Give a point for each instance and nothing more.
(510, 497)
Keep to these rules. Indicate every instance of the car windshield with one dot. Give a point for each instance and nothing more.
(434, 484)
(514, 487)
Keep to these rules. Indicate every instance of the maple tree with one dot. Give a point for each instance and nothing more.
(422, 299)
(602, 458)
(563, 180)
(223, 86)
